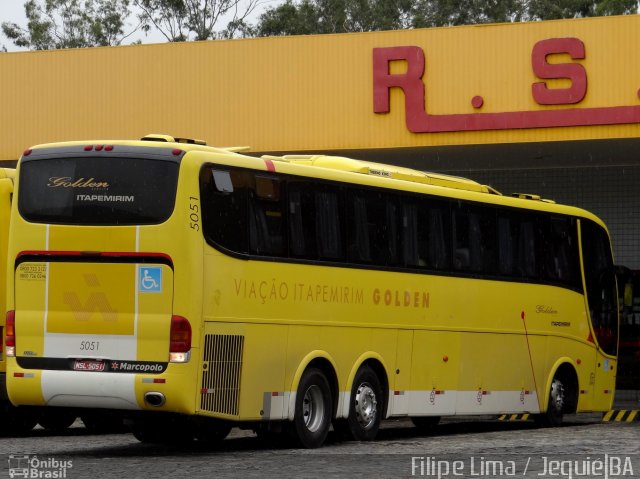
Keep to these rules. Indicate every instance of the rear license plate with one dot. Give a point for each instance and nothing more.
(88, 365)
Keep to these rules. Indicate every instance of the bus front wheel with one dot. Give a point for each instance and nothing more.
(555, 405)
(312, 416)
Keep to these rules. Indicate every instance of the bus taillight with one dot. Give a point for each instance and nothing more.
(180, 340)
(10, 340)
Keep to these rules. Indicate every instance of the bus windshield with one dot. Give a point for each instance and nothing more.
(97, 191)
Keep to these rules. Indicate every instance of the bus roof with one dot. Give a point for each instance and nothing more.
(468, 189)
(385, 171)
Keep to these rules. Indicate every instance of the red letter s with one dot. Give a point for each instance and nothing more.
(573, 71)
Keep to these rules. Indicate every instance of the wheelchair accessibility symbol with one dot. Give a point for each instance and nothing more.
(150, 279)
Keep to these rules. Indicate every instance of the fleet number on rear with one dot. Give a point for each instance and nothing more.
(89, 345)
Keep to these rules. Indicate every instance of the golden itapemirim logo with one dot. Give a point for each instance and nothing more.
(68, 182)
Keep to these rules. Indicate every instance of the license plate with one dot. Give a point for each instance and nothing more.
(88, 365)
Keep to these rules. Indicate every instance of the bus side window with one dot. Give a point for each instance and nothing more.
(526, 253)
(328, 223)
(474, 231)
(506, 241)
(223, 197)
(372, 228)
(560, 262)
(359, 250)
(439, 236)
(302, 222)
(266, 223)
(410, 235)
(390, 251)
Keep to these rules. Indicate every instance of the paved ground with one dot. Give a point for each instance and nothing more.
(476, 448)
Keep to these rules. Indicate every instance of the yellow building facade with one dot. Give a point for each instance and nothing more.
(547, 107)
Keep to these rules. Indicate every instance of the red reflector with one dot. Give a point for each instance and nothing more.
(176, 152)
(26, 152)
(108, 148)
(18, 375)
(180, 335)
(99, 147)
(159, 381)
(88, 148)
(11, 329)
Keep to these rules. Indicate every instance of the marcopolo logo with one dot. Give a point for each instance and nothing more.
(136, 367)
(24, 465)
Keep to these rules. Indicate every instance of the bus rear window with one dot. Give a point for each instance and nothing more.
(97, 191)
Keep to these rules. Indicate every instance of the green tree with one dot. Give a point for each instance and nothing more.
(70, 24)
(181, 20)
(334, 16)
(552, 9)
(436, 13)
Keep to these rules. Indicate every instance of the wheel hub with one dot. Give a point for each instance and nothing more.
(557, 395)
(366, 406)
(313, 408)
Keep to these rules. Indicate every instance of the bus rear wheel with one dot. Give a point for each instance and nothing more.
(365, 406)
(312, 417)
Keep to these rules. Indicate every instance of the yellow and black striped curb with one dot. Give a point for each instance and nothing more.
(514, 417)
(622, 415)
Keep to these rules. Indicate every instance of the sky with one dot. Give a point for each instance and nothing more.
(13, 11)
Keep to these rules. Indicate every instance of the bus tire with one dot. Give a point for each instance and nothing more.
(556, 402)
(365, 405)
(313, 409)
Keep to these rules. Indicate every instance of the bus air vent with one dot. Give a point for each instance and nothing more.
(171, 139)
(157, 137)
(527, 196)
(221, 374)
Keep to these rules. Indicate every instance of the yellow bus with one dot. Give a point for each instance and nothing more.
(195, 288)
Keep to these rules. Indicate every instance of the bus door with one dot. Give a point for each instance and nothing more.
(602, 305)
